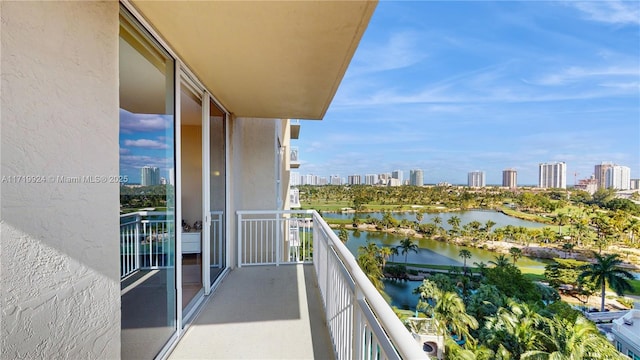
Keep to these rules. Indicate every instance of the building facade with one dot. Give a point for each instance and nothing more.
(626, 334)
(149, 175)
(476, 179)
(398, 174)
(600, 173)
(618, 177)
(354, 180)
(510, 178)
(552, 175)
(171, 78)
(416, 177)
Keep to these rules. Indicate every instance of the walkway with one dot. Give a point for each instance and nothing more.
(260, 312)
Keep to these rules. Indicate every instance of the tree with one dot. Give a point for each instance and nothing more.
(405, 247)
(568, 340)
(370, 260)
(448, 311)
(516, 253)
(605, 271)
(343, 235)
(454, 221)
(500, 261)
(465, 254)
(419, 216)
(385, 253)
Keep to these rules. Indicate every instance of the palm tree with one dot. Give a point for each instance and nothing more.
(454, 221)
(488, 225)
(516, 253)
(369, 260)
(448, 311)
(405, 247)
(419, 216)
(605, 271)
(465, 254)
(565, 340)
(521, 323)
(385, 252)
(501, 261)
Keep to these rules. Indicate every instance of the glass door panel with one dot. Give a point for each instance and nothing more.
(191, 177)
(217, 192)
(147, 200)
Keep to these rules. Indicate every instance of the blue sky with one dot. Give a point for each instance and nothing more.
(456, 86)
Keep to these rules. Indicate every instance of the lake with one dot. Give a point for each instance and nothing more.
(432, 251)
(466, 217)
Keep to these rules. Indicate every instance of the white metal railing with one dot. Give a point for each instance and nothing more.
(274, 237)
(145, 241)
(360, 322)
(217, 240)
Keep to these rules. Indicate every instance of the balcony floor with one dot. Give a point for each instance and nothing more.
(260, 312)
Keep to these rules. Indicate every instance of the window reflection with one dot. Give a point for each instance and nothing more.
(147, 201)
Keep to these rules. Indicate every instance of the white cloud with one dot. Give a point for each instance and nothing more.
(399, 51)
(146, 143)
(130, 122)
(610, 11)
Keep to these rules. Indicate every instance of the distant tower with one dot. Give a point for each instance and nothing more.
(600, 172)
(149, 175)
(416, 177)
(476, 179)
(510, 178)
(552, 175)
(397, 174)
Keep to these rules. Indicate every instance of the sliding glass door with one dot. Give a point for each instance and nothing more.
(217, 191)
(147, 200)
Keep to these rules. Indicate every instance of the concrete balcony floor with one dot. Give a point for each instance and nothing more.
(260, 312)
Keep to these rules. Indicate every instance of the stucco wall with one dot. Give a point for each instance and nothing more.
(59, 251)
(254, 174)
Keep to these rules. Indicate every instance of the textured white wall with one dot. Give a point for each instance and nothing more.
(59, 270)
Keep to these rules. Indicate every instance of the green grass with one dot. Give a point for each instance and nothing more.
(533, 277)
(635, 284)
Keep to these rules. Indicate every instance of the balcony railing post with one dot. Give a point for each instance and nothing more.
(136, 246)
(356, 332)
(240, 249)
(278, 229)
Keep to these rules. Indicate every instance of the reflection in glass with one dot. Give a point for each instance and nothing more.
(147, 201)
(191, 185)
(217, 176)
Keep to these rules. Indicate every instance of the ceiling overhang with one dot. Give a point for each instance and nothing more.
(266, 59)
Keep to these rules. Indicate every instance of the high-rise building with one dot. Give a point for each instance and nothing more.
(552, 175)
(294, 178)
(416, 177)
(354, 180)
(335, 180)
(397, 174)
(476, 179)
(634, 184)
(384, 178)
(149, 175)
(510, 178)
(618, 177)
(370, 179)
(600, 173)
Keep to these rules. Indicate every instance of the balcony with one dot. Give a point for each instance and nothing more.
(297, 292)
(294, 198)
(294, 162)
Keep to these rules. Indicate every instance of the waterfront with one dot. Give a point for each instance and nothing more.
(466, 217)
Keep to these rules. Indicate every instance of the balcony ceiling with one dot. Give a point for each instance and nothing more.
(268, 59)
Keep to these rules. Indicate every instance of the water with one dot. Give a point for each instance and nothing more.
(466, 217)
(432, 251)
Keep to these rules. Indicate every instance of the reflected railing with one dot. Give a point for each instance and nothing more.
(361, 323)
(145, 241)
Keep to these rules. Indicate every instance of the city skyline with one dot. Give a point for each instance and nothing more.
(450, 87)
(569, 179)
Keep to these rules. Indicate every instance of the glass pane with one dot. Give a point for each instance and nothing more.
(191, 133)
(147, 200)
(218, 175)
